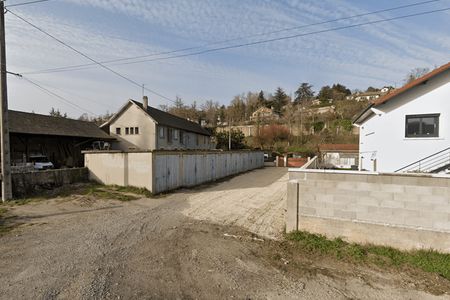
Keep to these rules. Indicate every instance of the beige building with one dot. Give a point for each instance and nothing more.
(263, 114)
(138, 126)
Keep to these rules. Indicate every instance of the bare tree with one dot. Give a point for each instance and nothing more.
(416, 73)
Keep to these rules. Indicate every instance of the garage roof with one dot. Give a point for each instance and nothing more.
(31, 123)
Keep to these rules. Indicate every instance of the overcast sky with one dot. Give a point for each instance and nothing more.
(375, 55)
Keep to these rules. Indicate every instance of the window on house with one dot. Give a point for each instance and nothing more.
(175, 134)
(169, 135)
(422, 125)
(161, 132)
(197, 139)
(118, 130)
(131, 130)
(127, 130)
(182, 137)
(136, 130)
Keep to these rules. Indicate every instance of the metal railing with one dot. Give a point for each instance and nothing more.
(434, 163)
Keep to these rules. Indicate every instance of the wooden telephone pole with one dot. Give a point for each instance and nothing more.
(4, 132)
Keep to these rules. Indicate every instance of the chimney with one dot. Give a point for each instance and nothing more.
(145, 102)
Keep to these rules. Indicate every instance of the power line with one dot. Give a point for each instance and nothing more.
(82, 66)
(61, 98)
(26, 3)
(287, 37)
(89, 58)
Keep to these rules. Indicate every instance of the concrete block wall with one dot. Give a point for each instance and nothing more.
(419, 204)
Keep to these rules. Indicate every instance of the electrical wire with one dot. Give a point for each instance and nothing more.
(88, 57)
(26, 3)
(57, 96)
(288, 37)
(82, 66)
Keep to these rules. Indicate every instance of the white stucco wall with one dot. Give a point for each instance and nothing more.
(189, 141)
(133, 116)
(382, 137)
(148, 137)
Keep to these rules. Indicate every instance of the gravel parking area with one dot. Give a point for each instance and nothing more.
(218, 241)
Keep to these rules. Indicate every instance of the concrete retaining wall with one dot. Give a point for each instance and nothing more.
(403, 211)
(29, 183)
(161, 171)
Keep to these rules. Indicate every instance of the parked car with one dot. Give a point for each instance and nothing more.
(41, 162)
(269, 156)
(100, 145)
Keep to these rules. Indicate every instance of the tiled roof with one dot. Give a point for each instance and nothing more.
(31, 123)
(339, 147)
(412, 84)
(166, 119)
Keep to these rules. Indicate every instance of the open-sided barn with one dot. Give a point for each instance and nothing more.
(60, 139)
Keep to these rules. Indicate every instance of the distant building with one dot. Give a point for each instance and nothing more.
(342, 156)
(320, 110)
(138, 126)
(263, 114)
(369, 96)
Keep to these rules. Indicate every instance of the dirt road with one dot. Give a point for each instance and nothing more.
(192, 244)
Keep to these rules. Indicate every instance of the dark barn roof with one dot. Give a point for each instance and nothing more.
(164, 118)
(30, 123)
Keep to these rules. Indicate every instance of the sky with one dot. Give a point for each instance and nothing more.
(373, 55)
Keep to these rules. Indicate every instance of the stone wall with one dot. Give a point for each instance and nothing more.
(404, 211)
(29, 183)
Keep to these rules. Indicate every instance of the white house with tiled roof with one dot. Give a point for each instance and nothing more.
(408, 130)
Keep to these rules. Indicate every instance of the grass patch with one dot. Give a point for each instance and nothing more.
(121, 193)
(86, 189)
(426, 260)
(106, 193)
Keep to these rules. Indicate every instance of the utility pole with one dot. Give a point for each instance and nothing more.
(229, 134)
(4, 132)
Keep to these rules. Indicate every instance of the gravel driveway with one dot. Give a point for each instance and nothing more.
(192, 244)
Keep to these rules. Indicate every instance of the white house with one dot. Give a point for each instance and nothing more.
(407, 126)
(138, 126)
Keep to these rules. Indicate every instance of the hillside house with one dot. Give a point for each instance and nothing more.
(409, 128)
(138, 126)
(369, 96)
(264, 114)
(61, 140)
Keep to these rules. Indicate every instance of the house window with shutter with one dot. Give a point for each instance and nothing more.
(118, 130)
(127, 130)
(136, 130)
(161, 132)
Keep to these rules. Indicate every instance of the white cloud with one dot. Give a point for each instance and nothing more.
(369, 55)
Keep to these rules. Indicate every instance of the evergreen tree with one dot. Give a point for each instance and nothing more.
(303, 93)
(280, 99)
(261, 99)
(325, 93)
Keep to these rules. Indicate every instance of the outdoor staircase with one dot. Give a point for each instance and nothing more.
(438, 162)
